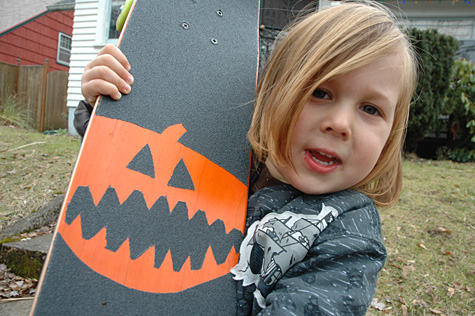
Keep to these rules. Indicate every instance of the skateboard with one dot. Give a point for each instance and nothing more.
(156, 207)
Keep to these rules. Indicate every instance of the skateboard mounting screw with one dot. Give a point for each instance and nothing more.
(185, 25)
(219, 12)
(214, 41)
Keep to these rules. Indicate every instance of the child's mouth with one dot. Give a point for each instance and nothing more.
(324, 158)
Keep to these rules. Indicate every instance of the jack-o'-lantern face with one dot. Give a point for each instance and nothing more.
(160, 211)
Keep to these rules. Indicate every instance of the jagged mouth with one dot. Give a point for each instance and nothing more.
(158, 226)
(323, 158)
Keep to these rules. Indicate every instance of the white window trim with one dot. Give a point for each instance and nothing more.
(59, 61)
(102, 26)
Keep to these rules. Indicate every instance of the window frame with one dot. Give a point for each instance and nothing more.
(60, 48)
(103, 23)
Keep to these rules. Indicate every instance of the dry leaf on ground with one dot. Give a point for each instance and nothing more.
(377, 305)
(13, 286)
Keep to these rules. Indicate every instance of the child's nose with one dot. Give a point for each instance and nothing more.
(338, 122)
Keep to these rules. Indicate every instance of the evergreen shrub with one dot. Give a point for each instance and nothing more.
(460, 107)
(436, 56)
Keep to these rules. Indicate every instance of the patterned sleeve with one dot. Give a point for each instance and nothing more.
(339, 273)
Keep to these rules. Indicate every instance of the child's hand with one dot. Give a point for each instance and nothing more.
(107, 74)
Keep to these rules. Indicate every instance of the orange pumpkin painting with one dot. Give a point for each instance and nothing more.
(132, 167)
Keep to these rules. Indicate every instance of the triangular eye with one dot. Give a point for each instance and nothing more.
(181, 177)
(143, 162)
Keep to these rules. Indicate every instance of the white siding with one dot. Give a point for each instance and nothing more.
(89, 36)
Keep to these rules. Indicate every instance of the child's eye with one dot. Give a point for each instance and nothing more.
(320, 94)
(370, 110)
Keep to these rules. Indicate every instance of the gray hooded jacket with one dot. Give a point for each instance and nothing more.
(309, 254)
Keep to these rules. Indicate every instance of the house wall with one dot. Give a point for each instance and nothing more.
(89, 36)
(37, 40)
(444, 9)
(454, 18)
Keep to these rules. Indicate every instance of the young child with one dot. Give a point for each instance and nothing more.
(331, 108)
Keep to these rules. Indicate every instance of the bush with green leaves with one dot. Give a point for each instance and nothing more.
(460, 107)
(436, 56)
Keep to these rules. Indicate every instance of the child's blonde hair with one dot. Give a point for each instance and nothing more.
(320, 47)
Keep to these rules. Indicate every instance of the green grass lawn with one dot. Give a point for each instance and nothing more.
(429, 235)
(429, 238)
(34, 168)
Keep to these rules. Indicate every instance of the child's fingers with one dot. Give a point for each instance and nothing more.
(115, 52)
(100, 87)
(101, 80)
(107, 74)
(107, 61)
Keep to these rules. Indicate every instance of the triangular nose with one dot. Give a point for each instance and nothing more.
(181, 177)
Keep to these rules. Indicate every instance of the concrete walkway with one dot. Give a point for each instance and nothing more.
(38, 245)
(16, 308)
(41, 244)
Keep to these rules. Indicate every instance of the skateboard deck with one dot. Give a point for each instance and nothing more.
(156, 208)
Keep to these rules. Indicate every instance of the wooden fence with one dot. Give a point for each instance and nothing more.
(44, 93)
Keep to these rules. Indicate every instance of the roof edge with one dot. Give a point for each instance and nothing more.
(14, 27)
(61, 7)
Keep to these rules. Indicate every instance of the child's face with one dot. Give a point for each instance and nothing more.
(343, 128)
